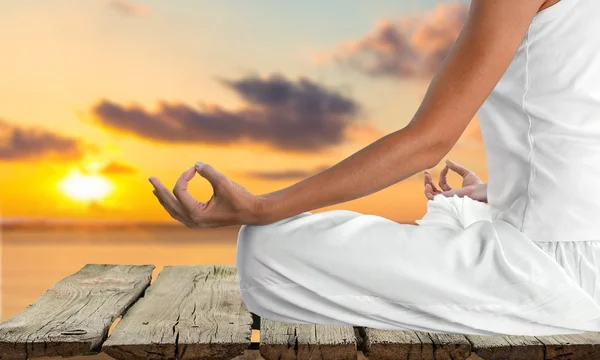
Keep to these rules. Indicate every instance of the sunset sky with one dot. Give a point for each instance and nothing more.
(101, 94)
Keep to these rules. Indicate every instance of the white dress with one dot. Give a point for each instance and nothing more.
(526, 263)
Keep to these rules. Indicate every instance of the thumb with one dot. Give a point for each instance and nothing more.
(459, 192)
(211, 174)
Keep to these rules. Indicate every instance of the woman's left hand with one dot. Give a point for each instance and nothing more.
(230, 204)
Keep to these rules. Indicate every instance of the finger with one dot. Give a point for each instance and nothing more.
(169, 201)
(168, 208)
(461, 170)
(181, 218)
(214, 177)
(187, 201)
(173, 215)
(429, 189)
(429, 180)
(444, 180)
(428, 192)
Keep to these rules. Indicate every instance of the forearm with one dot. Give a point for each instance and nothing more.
(383, 163)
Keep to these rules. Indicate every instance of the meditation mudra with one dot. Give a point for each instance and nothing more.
(518, 256)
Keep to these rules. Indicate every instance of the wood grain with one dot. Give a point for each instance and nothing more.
(73, 316)
(306, 341)
(572, 347)
(450, 346)
(189, 312)
(401, 345)
(507, 347)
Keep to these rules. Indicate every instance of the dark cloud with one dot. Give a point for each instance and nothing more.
(288, 115)
(20, 143)
(288, 174)
(117, 168)
(413, 46)
(128, 8)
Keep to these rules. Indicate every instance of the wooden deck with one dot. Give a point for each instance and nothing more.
(195, 312)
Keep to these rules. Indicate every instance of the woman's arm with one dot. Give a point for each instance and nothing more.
(482, 52)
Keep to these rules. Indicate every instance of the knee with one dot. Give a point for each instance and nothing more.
(261, 249)
(252, 253)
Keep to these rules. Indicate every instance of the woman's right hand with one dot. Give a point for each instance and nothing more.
(472, 185)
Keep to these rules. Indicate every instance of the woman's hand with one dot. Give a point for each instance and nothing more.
(231, 204)
(472, 185)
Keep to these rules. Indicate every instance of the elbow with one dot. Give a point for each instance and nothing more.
(435, 152)
(433, 146)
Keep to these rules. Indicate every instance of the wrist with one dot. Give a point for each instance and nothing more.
(479, 192)
(485, 186)
(264, 209)
(483, 191)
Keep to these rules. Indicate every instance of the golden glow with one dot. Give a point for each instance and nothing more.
(85, 187)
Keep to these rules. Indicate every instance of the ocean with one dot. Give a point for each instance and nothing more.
(35, 259)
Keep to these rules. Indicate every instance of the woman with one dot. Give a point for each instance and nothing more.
(525, 263)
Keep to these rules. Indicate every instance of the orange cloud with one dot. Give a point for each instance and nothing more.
(117, 168)
(363, 133)
(412, 46)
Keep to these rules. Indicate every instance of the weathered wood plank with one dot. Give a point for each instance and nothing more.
(506, 347)
(73, 316)
(572, 347)
(401, 345)
(189, 312)
(249, 355)
(306, 341)
(450, 346)
(359, 335)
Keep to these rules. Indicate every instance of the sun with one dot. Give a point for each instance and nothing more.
(85, 187)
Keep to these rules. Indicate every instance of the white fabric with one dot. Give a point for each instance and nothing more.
(457, 271)
(541, 128)
(526, 264)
